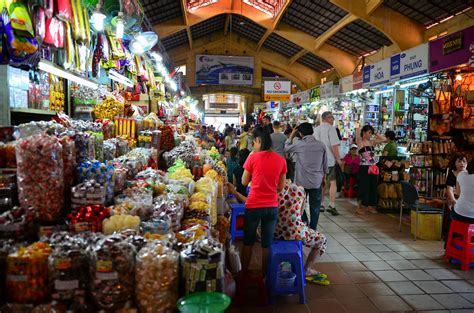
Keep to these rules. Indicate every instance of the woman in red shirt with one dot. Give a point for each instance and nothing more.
(267, 171)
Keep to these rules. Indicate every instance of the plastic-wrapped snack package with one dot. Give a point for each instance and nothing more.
(157, 225)
(112, 273)
(88, 218)
(91, 142)
(157, 278)
(122, 147)
(17, 224)
(203, 266)
(173, 209)
(69, 160)
(27, 274)
(102, 173)
(110, 150)
(192, 234)
(68, 264)
(6, 247)
(98, 145)
(81, 141)
(88, 192)
(120, 178)
(41, 175)
(120, 222)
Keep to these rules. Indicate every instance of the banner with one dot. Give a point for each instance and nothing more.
(409, 63)
(314, 94)
(327, 90)
(379, 73)
(357, 80)
(224, 70)
(366, 76)
(452, 50)
(347, 84)
(300, 97)
(277, 90)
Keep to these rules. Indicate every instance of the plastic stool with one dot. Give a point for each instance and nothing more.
(292, 252)
(203, 302)
(247, 281)
(238, 209)
(460, 244)
(349, 191)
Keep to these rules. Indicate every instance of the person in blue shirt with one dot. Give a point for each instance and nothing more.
(231, 163)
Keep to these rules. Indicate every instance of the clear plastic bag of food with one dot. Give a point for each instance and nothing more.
(40, 173)
(69, 160)
(112, 273)
(110, 150)
(203, 266)
(157, 278)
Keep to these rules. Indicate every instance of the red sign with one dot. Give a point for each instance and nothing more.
(277, 86)
(357, 80)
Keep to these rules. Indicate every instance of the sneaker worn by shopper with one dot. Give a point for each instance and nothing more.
(333, 211)
(322, 209)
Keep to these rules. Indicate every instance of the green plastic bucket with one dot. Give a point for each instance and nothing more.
(203, 302)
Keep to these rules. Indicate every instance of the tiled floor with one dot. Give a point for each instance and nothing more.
(375, 268)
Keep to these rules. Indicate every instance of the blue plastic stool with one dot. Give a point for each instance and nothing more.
(238, 209)
(286, 251)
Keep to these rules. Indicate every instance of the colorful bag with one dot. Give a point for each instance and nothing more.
(373, 170)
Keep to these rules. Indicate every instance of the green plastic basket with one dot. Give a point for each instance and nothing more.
(203, 302)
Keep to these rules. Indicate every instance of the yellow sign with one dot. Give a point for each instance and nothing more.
(276, 97)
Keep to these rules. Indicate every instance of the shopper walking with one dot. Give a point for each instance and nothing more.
(278, 139)
(327, 133)
(267, 123)
(244, 138)
(267, 171)
(367, 180)
(231, 163)
(311, 167)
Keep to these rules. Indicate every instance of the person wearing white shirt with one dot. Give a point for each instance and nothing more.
(464, 208)
(327, 133)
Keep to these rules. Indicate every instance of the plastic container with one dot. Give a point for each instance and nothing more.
(286, 279)
(204, 302)
(429, 225)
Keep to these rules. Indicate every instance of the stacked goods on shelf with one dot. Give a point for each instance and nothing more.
(389, 189)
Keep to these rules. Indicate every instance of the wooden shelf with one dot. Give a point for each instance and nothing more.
(32, 111)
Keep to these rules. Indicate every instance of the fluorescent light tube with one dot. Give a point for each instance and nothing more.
(113, 75)
(51, 68)
(414, 83)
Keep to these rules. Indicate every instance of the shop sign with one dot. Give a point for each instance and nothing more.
(453, 43)
(272, 105)
(366, 76)
(357, 80)
(224, 70)
(277, 90)
(327, 90)
(451, 51)
(379, 73)
(300, 97)
(347, 84)
(315, 94)
(409, 63)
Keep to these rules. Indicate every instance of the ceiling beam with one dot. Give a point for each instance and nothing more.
(268, 32)
(401, 30)
(343, 62)
(227, 22)
(190, 37)
(297, 56)
(372, 5)
(169, 27)
(185, 12)
(346, 20)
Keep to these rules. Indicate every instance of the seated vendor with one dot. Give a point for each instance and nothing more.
(290, 226)
(351, 162)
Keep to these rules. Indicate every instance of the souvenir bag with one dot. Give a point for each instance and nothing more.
(373, 169)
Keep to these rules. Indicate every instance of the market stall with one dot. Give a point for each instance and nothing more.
(97, 226)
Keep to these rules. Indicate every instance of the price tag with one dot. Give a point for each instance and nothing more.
(106, 276)
(66, 284)
(17, 278)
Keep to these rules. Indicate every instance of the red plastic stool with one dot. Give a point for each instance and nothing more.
(349, 191)
(247, 281)
(460, 244)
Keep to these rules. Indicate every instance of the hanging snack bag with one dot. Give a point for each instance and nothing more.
(63, 10)
(20, 48)
(20, 18)
(54, 33)
(39, 17)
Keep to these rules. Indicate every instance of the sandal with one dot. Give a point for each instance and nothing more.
(372, 210)
(360, 211)
(317, 274)
(318, 280)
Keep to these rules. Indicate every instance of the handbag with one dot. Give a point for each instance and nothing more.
(373, 169)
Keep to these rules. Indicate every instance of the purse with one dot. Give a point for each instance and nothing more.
(373, 169)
